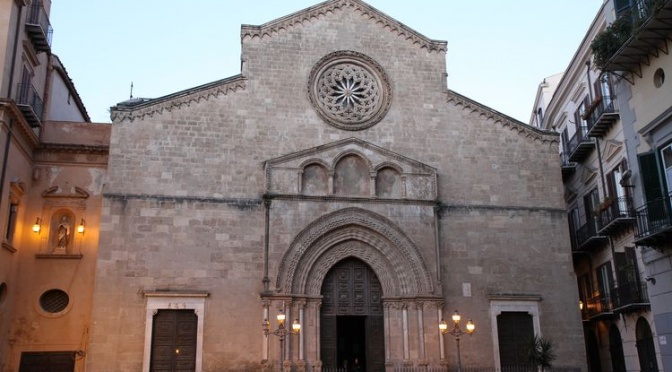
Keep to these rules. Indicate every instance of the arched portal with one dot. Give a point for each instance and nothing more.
(616, 350)
(646, 350)
(351, 322)
(399, 280)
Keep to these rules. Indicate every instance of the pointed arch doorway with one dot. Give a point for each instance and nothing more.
(351, 320)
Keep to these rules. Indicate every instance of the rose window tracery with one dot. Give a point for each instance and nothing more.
(349, 90)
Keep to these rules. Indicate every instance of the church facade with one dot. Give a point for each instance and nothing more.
(338, 181)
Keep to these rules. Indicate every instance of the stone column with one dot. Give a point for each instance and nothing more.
(387, 306)
(442, 347)
(404, 330)
(372, 184)
(302, 306)
(421, 330)
(265, 340)
(331, 183)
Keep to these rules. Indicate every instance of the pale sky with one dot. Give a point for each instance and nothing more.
(498, 51)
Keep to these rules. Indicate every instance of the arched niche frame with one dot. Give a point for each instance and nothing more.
(354, 232)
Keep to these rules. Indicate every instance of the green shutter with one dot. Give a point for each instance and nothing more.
(648, 168)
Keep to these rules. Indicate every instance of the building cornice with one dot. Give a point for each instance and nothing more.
(177, 100)
(528, 132)
(297, 19)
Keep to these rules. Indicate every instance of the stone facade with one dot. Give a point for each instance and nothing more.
(236, 199)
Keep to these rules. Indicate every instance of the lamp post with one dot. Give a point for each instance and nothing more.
(457, 332)
(281, 332)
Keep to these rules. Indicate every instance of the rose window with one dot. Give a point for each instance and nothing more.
(349, 93)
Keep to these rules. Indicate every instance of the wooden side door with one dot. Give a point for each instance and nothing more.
(174, 335)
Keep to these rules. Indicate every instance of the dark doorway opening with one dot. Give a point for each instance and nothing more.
(62, 361)
(351, 331)
(351, 320)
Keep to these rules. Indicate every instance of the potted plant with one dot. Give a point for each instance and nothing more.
(540, 354)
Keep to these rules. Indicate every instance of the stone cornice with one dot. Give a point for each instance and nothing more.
(73, 148)
(321, 10)
(177, 100)
(528, 132)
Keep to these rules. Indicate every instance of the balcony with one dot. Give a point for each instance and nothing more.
(601, 115)
(639, 32)
(38, 27)
(30, 104)
(630, 297)
(615, 216)
(654, 223)
(587, 237)
(580, 145)
(568, 168)
(597, 307)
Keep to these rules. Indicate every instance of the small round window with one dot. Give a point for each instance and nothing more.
(54, 301)
(659, 78)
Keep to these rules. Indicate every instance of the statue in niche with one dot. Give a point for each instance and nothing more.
(63, 233)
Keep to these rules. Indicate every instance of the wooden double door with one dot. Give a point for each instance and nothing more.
(174, 337)
(351, 318)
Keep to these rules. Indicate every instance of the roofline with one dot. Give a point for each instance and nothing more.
(297, 18)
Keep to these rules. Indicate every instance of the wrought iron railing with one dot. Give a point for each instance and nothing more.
(581, 136)
(38, 16)
(605, 105)
(586, 231)
(629, 294)
(26, 94)
(564, 160)
(597, 305)
(513, 368)
(653, 217)
(615, 209)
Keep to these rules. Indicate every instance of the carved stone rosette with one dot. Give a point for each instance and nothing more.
(349, 90)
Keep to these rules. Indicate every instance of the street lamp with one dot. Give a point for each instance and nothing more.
(281, 332)
(457, 332)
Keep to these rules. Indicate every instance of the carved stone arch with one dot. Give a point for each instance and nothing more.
(384, 269)
(352, 152)
(389, 251)
(318, 161)
(389, 164)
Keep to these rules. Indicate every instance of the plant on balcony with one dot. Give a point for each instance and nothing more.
(604, 205)
(607, 42)
(540, 354)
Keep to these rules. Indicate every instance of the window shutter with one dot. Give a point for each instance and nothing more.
(621, 6)
(648, 167)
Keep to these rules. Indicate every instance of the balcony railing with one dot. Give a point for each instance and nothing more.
(616, 215)
(654, 222)
(630, 297)
(580, 145)
(638, 32)
(38, 27)
(568, 167)
(587, 236)
(597, 307)
(601, 116)
(30, 104)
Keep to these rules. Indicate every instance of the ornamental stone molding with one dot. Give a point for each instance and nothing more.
(330, 8)
(175, 101)
(526, 131)
(349, 90)
(356, 232)
(284, 174)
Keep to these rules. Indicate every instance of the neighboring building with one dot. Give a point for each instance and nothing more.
(612, 108)
(641, 59)
(53, 165)
(336, 179)
(543, 98)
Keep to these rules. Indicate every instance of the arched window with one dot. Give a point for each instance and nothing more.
(314, 180)
(351, 177)
(388, 183)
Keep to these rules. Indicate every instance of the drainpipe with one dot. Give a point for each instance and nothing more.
(9, 95)
(266, 280)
